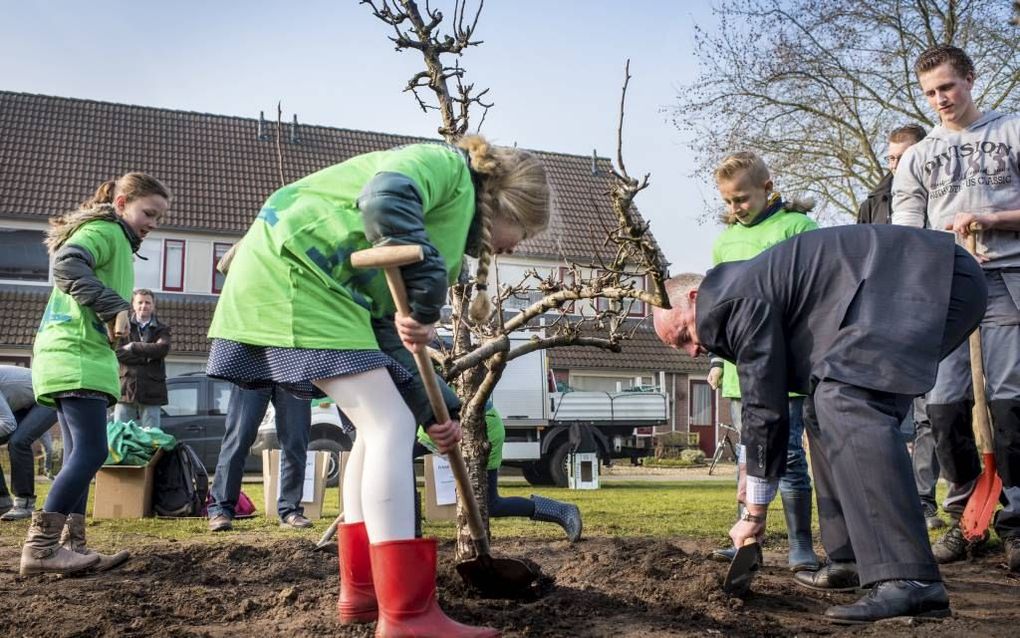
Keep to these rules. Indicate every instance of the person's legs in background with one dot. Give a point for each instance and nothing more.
(150, 415)
(46, 440)
(125, 412)
(926, 464)
(33, 423)
(244, 414)
(795, 490)
(293, 427)
(538, 508)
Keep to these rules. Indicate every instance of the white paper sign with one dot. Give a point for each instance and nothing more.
(446, 485)
(308, 488)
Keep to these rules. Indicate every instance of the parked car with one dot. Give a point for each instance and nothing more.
(196, 413)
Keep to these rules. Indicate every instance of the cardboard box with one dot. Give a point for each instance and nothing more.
(440, 489)
(315, 479)
(125, 491)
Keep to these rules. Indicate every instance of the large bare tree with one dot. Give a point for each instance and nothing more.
(625, 253)
(815, 87)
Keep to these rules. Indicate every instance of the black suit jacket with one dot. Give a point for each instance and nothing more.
(864, 305)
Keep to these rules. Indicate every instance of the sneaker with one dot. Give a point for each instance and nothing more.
(221, 523)
(931, 517)
(1012, 547)
(953, 546)
(295, 521)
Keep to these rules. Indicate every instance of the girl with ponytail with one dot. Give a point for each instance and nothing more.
(294, 312)
(74, 368)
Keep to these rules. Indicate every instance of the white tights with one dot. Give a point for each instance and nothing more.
(378, 484)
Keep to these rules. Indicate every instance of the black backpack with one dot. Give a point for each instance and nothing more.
(181, 484)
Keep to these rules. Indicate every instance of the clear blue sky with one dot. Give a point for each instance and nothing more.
(554, 69)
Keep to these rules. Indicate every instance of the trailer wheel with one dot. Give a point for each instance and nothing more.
(557, 466)
(536, 474)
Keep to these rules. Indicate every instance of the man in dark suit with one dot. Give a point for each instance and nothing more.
(814, 315)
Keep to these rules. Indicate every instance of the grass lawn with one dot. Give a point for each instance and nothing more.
(699, 510)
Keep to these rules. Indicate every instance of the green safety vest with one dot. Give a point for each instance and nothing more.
(72, 350)
(494, 430)
(291, 283)
(738, 243)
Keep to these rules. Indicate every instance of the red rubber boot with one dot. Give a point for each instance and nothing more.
(405, 582)
(357, 602)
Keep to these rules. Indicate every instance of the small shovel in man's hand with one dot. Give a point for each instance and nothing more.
(745, 563)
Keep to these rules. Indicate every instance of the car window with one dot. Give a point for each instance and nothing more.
(182, 400)
(221, 396)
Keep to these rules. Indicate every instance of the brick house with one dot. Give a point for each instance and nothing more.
(54, 151)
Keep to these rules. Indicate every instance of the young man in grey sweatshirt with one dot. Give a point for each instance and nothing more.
(966, 173)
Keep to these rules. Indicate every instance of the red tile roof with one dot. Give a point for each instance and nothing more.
(56, 150)
(188, 316)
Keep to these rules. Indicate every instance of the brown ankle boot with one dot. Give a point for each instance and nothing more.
(73, 538)
(42, 552)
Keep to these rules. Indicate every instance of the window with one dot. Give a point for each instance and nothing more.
(182, 400)
(637, 308)
(221, 396)
(173, 265)
(219, 250)
(701, 403)
(23, 256)
(147, 264)
(608, 382)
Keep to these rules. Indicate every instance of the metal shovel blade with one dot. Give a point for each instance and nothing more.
(982, 502)
(499, 577)
(745, 563)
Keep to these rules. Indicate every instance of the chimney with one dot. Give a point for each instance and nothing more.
(594, 159)
(294, 139)
(261, 132)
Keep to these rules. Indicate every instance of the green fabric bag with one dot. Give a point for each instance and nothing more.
(131, 444)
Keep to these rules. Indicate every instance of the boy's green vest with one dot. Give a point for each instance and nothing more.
(495, 431)
(738, 243)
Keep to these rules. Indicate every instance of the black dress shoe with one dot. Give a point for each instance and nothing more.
(892, 599)
(830, 577)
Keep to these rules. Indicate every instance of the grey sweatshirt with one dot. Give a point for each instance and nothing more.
(976, 170)
(15, 394)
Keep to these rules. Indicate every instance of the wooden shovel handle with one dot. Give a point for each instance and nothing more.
(982, 428)
(428, 377)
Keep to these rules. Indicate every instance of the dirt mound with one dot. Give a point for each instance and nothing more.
(250, 586)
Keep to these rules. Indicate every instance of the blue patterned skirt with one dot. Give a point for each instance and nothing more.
(294, 369)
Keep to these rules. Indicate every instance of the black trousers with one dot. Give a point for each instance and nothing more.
(867, 502)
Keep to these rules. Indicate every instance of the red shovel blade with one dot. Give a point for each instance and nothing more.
(983, 501)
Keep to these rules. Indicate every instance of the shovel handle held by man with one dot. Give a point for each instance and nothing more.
(981, 505)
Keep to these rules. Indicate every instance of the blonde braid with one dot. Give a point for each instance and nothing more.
(484, 163)
(481, 306)
(511, 183)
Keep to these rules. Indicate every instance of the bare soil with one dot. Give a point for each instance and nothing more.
(249, 586)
